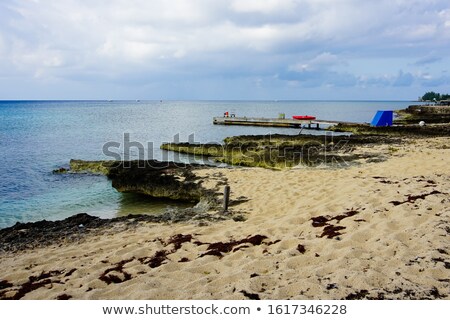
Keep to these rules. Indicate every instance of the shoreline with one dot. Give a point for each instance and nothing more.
(373, 231)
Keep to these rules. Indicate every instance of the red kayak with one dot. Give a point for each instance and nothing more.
(303, 117)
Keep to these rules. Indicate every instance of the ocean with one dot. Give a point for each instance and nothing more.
(37, 137)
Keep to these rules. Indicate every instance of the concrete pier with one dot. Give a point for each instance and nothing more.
(274, 122)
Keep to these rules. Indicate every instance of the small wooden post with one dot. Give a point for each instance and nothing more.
(226, 197)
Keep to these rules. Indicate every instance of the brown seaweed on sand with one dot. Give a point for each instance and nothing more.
(216, 249)
(412, 199)
(68, 274)
(251, 296)
(321, 221)
(178, 240)
(330, 231)
(301, 248)
(156, 260)
(109, 277)
(160, 256)
(397, 292)
(4, 284)
(33, 283)
(358, 295)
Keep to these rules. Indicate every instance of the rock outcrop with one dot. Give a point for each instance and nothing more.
(427, 113)
(93, 167)
(280, 151)
(169, 180)
(396, 131)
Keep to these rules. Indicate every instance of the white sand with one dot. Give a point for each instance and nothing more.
(401, 251)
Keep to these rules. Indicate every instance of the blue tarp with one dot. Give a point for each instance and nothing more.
(383, 119)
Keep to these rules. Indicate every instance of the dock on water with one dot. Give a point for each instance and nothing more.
(276, 122)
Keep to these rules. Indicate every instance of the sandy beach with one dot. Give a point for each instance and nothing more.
(377, 230)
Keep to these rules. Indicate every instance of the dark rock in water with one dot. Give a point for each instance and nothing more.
(94, 167)
(169, 180)
(157, 179)
(61, 171)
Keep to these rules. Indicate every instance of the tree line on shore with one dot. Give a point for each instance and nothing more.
(434, 96)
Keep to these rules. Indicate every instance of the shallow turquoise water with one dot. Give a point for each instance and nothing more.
(39, 136)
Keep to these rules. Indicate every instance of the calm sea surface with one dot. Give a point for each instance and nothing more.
(39, 136)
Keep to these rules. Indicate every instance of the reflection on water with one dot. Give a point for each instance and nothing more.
(141, 204)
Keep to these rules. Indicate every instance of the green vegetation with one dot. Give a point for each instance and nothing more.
(432, 96)
(277, 151)
(274, 152)
(93, 167)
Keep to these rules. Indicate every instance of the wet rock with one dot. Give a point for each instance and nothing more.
(280, 151)
(169, 180)
(60, 171)
(93, 167)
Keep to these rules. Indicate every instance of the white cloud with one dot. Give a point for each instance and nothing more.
(120, 39)
(265, 7)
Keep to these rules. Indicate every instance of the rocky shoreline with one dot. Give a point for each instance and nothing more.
(75, 229)
(279, 151)
(180, 181)
(427, 113)
(155, 179)
(377, 230)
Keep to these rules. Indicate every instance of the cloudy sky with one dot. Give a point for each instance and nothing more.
(224, 49)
